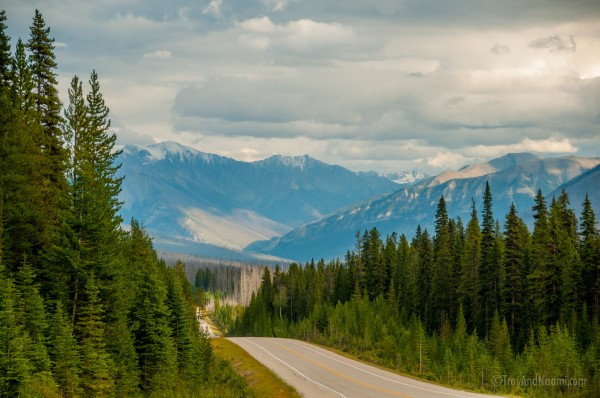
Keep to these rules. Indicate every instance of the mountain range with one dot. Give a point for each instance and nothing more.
(301, 208)
(194, 201)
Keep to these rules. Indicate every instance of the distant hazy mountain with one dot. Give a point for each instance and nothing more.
(513, 178)
(577, 188)
(193, 200)
(407, 177)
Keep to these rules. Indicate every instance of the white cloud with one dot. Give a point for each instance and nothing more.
(303, 35)
(275, 5)
(446, 160)
(213, 8)
(363, 84)
(553, 145)
(162, 54)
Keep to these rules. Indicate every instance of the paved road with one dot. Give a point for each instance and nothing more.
(316, 372)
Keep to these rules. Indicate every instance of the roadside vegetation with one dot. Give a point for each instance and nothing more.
(86, 308)
(488, 306)
(261, 381)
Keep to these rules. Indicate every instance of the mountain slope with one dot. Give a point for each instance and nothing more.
(512, 178)
(187, 195)
(587, 183)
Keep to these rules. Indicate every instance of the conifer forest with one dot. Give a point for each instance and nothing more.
(86, 308)
(488, 306)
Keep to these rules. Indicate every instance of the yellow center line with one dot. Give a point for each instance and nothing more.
(327, 368)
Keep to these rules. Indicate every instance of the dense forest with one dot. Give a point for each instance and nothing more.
(86, 308)
(486, 306)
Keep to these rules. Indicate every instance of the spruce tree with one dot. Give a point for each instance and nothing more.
(20, 177)
(103, 186)
(441, 283)
(149, 319)
(23, 84)
(179, 321)
(43, 68)
(52, 187)
(424, 265)
(589, 248)
(34, 318)
(491, 267)
(539, 292)
(5, 56)
(516, 245)
(470, 285)
(96, 363)
(565, 260)
(15, 368)
(64, 353)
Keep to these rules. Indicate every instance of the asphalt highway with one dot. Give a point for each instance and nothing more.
(316, 372)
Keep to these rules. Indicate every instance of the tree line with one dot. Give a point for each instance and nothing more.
(465, 305)
(86, 308)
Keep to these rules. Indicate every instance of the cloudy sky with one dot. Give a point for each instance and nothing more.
(381, 85)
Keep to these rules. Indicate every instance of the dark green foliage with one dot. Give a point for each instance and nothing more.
(516, 259)
(96, 363)
(64, 353)
(86, 308)
(442, 278)
(53, 156)
(5, 56)
(149, 317)
(469, 285)
(589, 249)
(15, 368)
(33, 314)
(491, 273)
(431, 318)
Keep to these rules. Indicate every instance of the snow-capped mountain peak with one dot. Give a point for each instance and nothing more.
(294, 162)
(167, 150)
(407, 176)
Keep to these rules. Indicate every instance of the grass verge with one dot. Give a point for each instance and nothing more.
(262, 382)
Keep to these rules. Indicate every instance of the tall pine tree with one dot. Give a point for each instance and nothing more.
(516, 244)
(491, 266)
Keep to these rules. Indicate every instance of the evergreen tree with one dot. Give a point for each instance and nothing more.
(589, 247)
(516, 243)
(565, 264)
(64, 353)
(179, 321)
(103, 159)
(22, 83)
(490, 267)
(96, 363)
(540, 293)
(22, 213)
(441, 284)
(15, 368)
(35, 323)
(266, 288)
(425, 259)
(5, 56)
(52, 186)
(93, 223)
(149, 318)
(48, 105)
(469, 278)
(406, 278)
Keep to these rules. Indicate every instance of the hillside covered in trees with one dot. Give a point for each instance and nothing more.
(86, 309)
(488, 305)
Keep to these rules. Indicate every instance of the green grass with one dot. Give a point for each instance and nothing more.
(261, 381)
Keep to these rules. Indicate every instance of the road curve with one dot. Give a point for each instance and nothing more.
(316, 372)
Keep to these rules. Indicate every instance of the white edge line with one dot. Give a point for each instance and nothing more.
(294, 369)
(307, 346)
